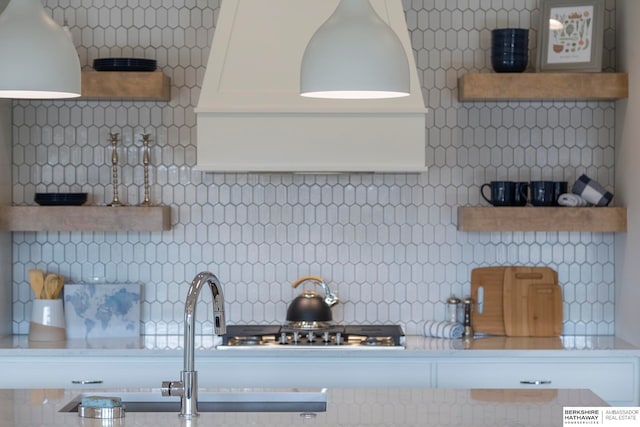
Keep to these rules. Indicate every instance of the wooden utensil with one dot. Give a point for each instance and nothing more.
(517, 281)
(487, 313)
(36, 280)
(59, 287)
(50, 286)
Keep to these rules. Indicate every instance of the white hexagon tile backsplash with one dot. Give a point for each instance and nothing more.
(387, 243)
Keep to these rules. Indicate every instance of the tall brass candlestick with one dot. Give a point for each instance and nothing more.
(145, 162)
(114, 163)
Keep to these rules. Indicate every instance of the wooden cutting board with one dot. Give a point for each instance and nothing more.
(487, 313)
(525, 301)
(544, 310)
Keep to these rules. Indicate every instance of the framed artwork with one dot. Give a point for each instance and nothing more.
(104, 310)
(571, 35)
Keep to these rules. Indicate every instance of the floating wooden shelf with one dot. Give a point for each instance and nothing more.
(542, 219)
(130, 85)
(84, 218)
(543, 86)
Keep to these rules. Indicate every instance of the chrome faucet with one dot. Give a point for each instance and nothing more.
(187, 387)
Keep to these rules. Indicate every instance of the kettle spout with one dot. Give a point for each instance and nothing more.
(330, 298)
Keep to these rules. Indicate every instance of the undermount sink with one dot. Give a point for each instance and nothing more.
(223, 401)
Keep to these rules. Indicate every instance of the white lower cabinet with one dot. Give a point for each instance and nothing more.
(313, 371)
(615, 380)
(88, 373)
(248, 372)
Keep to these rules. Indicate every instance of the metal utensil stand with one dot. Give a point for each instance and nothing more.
(145, 162)
(114, 162)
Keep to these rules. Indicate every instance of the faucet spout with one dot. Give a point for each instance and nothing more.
(187, 387)
(219, 325)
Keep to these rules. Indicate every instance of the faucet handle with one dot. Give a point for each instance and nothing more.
(219, 324)
(172, 388)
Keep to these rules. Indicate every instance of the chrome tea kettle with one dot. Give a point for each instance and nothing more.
(309, 310)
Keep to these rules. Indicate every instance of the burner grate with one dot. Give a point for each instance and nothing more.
(333, 336)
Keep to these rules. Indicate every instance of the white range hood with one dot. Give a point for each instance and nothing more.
(251, 118)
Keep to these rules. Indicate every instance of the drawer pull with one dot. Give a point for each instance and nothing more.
(86, 382)
(536, 382)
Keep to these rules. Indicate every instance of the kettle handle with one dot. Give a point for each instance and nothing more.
(329, 297)
(303, 279)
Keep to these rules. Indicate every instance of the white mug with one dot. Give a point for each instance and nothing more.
(47, 320)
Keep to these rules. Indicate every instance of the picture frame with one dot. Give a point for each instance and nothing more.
(571, 35)
(102, 310)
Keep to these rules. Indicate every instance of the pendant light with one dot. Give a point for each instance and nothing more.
(354, 55)
(39, 60)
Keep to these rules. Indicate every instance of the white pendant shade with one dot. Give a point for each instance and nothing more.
(39, 60)
(354, 55)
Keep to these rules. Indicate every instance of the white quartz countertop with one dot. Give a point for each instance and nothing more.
(345, 407)
(416, 346)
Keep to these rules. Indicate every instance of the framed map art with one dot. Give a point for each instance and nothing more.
(102, 310)
(571, 35)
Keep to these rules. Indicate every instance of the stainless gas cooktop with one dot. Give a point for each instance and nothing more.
(366, 337)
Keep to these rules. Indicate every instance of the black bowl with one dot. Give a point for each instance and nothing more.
(509, 62)
(124, 64)
(495, 38)
(510, 54)
(510, 57)
(501, 53)
(507, 53)
(509, 65)
(502, 40)
(510, 38)
(513, 33)
(60, 199)
(509, 46)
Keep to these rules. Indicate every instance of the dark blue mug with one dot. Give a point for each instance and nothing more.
(546, 193)
(521, 193)
(506, 193)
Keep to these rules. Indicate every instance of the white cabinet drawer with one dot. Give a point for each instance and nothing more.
(95, 372)
(613, 380)
(270, 372)
(313, 371)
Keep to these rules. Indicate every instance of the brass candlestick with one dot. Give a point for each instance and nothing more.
(114, 163)
(145, 162)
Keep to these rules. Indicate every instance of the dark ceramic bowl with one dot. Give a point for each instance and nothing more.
(60, 199)
(504, 39)
(506, 53)
(510, 56)
(509, 46)
(510, 41)
(509, 64)
(124, 64)
(510, 33)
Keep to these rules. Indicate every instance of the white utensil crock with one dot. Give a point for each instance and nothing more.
(47, 320)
